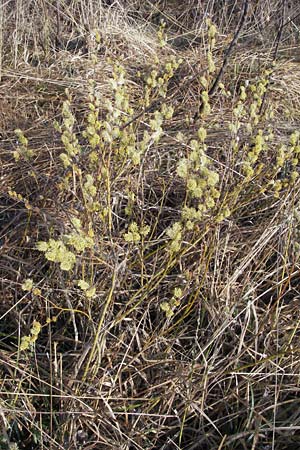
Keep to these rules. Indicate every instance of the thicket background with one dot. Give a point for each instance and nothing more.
(158, 337)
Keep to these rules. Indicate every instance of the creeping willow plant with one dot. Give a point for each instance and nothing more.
(22, 150)
(28, 341)
(113, 145)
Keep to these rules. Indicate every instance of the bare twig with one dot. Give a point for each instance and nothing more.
(275, 54)
(226, 57)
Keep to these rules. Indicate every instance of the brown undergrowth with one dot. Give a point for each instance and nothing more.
(149, 262)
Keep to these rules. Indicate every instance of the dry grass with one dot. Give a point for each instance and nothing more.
(112, 372)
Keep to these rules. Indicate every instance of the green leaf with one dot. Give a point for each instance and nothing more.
(27, 285)
(42, 246)
(83, 285)
(90, 292)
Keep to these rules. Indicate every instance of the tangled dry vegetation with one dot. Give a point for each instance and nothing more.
(149, 225)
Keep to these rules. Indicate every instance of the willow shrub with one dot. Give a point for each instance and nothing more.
(114, 145)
